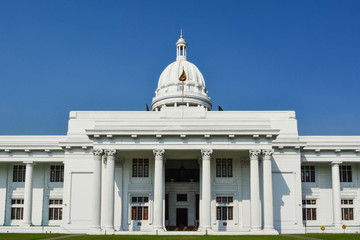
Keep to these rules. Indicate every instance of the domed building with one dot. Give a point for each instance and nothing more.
(180, 169)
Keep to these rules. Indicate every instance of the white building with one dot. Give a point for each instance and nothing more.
(180, 167)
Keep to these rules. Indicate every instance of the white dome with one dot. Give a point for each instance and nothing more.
(173, 92)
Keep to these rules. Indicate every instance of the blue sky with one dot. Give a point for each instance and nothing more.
(58, 56)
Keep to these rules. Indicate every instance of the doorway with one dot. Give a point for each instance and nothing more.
(181, 217)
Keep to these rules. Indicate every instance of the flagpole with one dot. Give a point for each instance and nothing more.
(183, 86)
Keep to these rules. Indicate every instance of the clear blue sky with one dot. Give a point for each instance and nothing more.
(58, 56)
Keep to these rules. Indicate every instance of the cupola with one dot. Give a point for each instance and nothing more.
(181, 83)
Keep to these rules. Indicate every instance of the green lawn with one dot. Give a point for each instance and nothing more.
(25, 236)
(332, 236)
(28, 236)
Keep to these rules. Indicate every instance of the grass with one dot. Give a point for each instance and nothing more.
(35, 236)
(28, 236)
(334, 236)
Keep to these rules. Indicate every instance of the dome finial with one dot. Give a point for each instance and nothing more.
(181, 45)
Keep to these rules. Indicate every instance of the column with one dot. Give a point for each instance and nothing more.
(96, 197)
(206, 189)
(254, 190)
(268, 191)
(158, 189)
(335, 176)
(28, 194)
(108, 217)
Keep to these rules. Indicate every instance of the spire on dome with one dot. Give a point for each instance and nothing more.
(181, 45)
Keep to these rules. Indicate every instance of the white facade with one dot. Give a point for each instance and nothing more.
(180, 167)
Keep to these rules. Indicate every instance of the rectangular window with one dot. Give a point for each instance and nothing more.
(55, 209)
(309, 209)
(307, 173)
(181, 197)
(57, 173)
(224, 167)
(19, 173)
(17, 209)
(224, 209)
(140, 213)
(345, 173)
(224, 213)
(140, 167)
(347, 211)
(139, 210)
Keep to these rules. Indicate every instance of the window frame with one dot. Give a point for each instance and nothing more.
(56, 173)
(140, 168)
(224, 167)
(347, 209)
(17, 209)
(139, 208)
(309, 209)
(19, 173)
(345, 173)
(55, 207)
(224, 208)
(308, 173)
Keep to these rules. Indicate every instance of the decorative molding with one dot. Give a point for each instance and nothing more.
(98, 152)
(206, 152)
(254, 153)
(158, 152)
(267, 153)
(110, 152)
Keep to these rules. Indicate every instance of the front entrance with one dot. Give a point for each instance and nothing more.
(181, 217)
(182, 195)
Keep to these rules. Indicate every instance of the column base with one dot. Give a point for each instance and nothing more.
(25, 225)
(109, 230)
(255, 229)
(158, 230)
(95, 231)
(270, 230)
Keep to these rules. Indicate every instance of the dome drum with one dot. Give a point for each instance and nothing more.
(189, 100)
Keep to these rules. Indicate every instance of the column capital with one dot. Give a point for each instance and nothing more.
(335, 163)
(267, 153)
(254, 153)
(159, 152)
(98, 152)
(206, 152)
(29, 162)
(110, 152)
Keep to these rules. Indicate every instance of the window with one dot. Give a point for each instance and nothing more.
(345, 174)
(55, 209)
(224, 167)
(309, 209)
(140, 167)
(224, 210)
(347, 210)
(307, 173)
(181, 197)
(139, 210)
(57, 173)
(19, 173)
(17, 209)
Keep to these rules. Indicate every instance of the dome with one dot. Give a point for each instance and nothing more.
(171, 91)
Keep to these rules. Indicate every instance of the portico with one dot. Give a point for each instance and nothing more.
(103, 217)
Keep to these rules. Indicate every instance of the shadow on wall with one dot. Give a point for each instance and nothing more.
(283, 198)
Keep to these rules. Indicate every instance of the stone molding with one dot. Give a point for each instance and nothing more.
(267, 153)
(110, 152)
(98, 152)
(159, 152)
(254, 153)
(206, 152)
